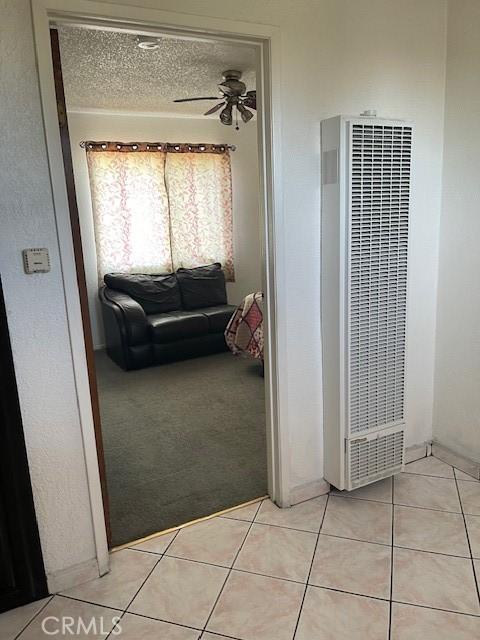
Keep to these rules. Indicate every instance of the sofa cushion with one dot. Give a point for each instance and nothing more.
(203, 286)
(218, 317)
(155, 293)
(177, 325)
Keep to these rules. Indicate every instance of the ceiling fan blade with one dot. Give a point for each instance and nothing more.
(193, 99)
(250, 100)
(227, 90)
(251, 103)
(215, 108)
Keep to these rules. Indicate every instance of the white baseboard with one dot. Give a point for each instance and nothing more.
(417, 451)
(72, 576)
(457, 460)
(320, 487)
(308, 491)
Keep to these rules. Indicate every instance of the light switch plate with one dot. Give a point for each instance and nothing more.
(36, 260)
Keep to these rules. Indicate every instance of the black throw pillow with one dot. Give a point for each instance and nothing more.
(202, 286)
(155, 293)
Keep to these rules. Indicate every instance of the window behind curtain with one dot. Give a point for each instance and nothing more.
(200, 193)
(157, 211)
(130, 211)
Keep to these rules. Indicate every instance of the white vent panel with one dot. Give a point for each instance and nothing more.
(380, 163)
(374, 457)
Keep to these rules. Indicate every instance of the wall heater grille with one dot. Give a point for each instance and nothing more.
(374, 458)
(366, 174)
(380, 161)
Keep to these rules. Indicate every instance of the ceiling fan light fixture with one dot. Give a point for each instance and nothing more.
(147, 43)
(233, 93)
(226, 115)
(245, 114)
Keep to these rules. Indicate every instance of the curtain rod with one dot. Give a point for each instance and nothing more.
(105, 145)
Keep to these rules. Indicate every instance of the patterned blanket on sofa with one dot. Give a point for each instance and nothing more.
(244, 332)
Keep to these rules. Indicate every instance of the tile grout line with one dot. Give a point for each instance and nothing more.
(414, 506)
(50, 598)
(151, 553)
(427, 475)
(350, 593)
(401, 504)
(124, 611)
(435, 553)
(311, 566)
(94, 604)
(314, 499)
(229, 571)
(220, 635)
(398, 546)
(150, 572)
(391, 564)
(278, 526)
(334, 535)
(154, 553)
(476, 578)
(470, 478)
(169, 622)
(424, 606)
(238, 570)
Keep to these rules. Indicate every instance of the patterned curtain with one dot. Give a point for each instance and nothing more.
(200, 193)
(155, 211)
(130, 211)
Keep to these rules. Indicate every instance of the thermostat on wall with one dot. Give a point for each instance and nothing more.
(36, 260)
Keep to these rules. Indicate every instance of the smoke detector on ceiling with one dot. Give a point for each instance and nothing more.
(148, 43)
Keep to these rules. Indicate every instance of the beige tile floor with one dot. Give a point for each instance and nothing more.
(392, 561)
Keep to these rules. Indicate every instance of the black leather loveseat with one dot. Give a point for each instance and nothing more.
(152, 319)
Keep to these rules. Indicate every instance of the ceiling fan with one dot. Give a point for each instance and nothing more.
(234, 95)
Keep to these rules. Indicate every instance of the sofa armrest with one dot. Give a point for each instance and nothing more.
(129, 316)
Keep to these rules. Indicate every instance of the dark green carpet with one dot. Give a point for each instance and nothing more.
(181, 440)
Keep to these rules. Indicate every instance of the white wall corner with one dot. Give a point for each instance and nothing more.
(308, 491)
(417, 451)
(457, 459)
(69, 577)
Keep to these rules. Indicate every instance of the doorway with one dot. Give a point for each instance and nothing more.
(181, 438)
(152, 22)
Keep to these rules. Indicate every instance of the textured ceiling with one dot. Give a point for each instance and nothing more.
(106, 70)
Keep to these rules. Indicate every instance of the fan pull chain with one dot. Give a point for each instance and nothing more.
(236, 120)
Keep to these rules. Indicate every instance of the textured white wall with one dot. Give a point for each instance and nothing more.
(339, 56)
(247, 243)
(36, 307)
(456, 421)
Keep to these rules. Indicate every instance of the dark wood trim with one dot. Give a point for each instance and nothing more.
(80, 266)
(22, 574)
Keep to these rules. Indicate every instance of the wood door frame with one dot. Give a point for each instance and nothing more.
(150, 22)
(80, 270)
